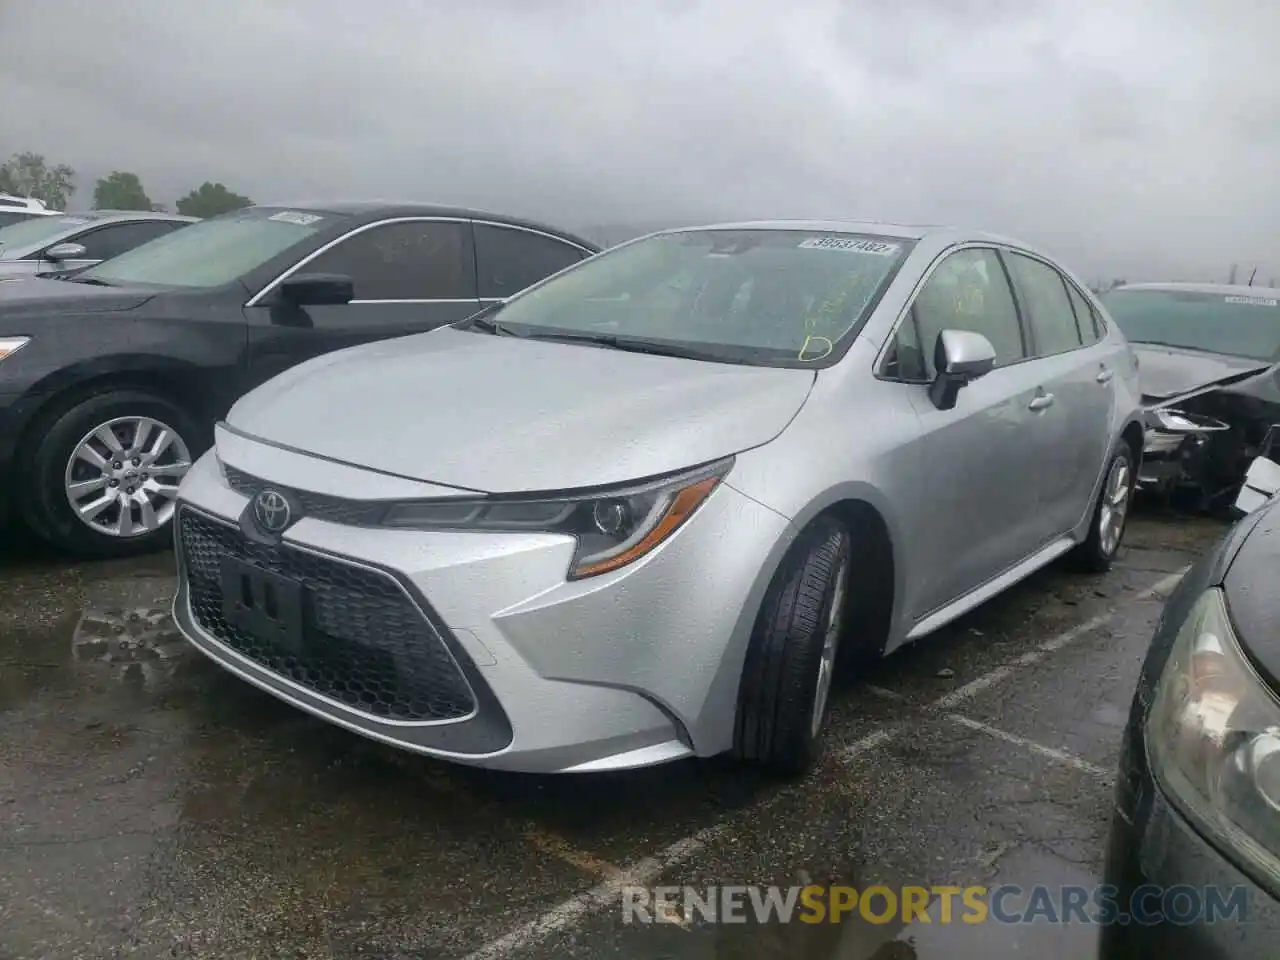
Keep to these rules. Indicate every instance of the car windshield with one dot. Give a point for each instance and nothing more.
(775, 297)
(1239, 325)
(213, 252)
(34, 231)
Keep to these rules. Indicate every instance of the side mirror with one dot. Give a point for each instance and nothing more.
(65, 251)
(960, 357)
(317, 289)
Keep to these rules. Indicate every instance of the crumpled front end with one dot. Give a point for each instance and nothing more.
(1202, 445)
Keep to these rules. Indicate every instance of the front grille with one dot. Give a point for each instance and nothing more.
(353, 513)
(365, 644)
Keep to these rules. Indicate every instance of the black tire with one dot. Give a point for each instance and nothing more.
(1092, 555)
(42, 498)
(779, 678)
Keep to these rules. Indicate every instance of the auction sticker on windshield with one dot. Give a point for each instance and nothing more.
(878, 247)
(301, 219)
(1253, 301)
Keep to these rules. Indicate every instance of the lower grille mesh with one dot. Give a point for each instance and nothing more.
(365, 644)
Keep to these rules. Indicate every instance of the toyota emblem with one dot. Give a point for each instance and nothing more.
(271, 510)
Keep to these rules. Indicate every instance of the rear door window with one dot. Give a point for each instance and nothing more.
(508, 259)
(1042, 292)
(1086, 317)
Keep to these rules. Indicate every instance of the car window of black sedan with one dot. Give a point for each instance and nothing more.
(1244, 325)
(213, 252)
(509, 259)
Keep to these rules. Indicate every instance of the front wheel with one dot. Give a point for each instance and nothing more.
(793, 652)
(103, 481)
(1110, 513)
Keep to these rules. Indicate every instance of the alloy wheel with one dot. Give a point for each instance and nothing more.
(122, 477)
(1115, 505)
(830, 647)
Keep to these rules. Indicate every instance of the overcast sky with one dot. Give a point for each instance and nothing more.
(1136, 138)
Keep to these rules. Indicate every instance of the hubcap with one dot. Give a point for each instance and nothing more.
(830, 645)
(122, 478)
(1114, 506)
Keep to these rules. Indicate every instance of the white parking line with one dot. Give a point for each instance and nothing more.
(565, 915)
(869, 742)
(1052, 645)
(1061, 756)
(569, 913)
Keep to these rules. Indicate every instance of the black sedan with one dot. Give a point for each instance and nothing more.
(1195, 839)
(111, 379)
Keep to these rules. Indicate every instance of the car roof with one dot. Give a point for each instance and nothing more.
(937, 233)
(1223, 289)
(382, 209)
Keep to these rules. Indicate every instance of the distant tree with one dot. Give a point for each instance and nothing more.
(210, 200)
(29, 175)
(121, 190)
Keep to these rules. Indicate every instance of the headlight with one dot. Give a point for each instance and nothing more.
(1179, 421)
(613, 528)
(1167, 429)
(11, 345)
(1213, 735)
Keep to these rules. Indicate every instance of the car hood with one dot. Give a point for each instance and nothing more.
(23, 296)
(503, 414)
(17, 268)
(1251, 595)
(1169, 372)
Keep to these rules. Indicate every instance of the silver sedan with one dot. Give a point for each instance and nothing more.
(646, 508)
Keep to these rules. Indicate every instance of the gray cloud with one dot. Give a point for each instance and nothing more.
(1134, 139)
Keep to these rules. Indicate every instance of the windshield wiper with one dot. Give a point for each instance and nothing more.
(489, 325)
(1164, 343)
(630, 345)
(94, 281)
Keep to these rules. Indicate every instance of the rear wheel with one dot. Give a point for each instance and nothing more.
(103, 480)
(1110, 513)
(793, 652)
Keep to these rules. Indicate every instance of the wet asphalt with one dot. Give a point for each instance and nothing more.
(153, 806)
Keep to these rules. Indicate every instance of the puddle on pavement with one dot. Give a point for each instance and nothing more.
(132, 648)
(139, 647)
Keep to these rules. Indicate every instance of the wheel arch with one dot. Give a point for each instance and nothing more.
(1134, 434)
(870, 519)
(170, 379)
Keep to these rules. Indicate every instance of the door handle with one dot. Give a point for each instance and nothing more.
(1041, 402)
(1105, 375)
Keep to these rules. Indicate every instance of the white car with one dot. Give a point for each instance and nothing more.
(15, 209)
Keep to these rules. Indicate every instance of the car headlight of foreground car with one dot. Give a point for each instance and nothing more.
(1213, 735)
(613, 528)
(1167, 429)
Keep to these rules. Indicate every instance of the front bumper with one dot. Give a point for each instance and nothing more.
(627, 669)
(1174, 460)
(1159, 847)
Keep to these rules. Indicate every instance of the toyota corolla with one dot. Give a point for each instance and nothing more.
(644, 509)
